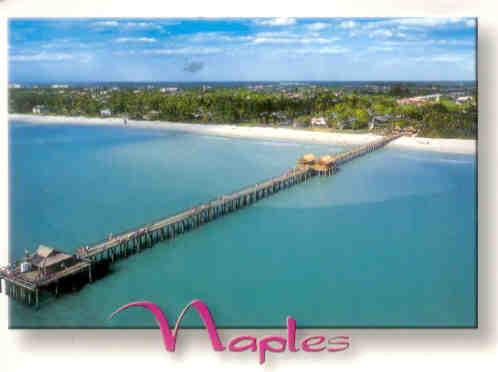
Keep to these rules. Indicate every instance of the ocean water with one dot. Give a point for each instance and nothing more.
(389, 241)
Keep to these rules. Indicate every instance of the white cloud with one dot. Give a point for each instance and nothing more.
(201, 37)
(347, 24)
(106, 24)
(470, 23)
(142, 25)
(430, 21)
(333, 50)
(182, 51)
(459, 42)
(291, 40)
(42, 57)
(282, 21)
(136, 40)
(382, 33)
(380, 49)
(130, 25)
(447, 58)
(409, 29)
(317, 26)
(62, 43)
(322, 51)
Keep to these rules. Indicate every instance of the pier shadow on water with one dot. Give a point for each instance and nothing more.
(75, 283)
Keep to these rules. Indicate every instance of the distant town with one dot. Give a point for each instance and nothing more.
(429, 109)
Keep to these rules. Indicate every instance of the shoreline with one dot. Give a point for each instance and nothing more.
(442, 145)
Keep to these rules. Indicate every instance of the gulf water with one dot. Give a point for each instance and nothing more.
(389, 241)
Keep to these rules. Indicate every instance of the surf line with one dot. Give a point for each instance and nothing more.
(272, 343)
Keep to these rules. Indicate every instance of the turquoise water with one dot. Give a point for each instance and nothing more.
(388, 241)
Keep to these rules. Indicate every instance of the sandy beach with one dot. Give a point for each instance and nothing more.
(456, 146)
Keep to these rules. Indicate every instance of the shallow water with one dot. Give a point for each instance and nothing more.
(388, 241)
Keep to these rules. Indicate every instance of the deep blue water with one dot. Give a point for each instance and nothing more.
(390, 240)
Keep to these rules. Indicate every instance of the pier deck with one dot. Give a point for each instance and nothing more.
(25, 285)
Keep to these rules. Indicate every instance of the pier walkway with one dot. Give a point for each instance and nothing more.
(47, 268)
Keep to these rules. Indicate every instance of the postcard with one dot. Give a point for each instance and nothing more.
(242, 173)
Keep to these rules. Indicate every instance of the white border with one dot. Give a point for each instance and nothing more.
(74, 351)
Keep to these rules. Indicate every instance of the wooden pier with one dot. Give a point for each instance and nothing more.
(47, 268)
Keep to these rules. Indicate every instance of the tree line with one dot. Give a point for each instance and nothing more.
(245, 106)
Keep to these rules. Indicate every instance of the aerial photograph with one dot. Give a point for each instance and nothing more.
(323, 168)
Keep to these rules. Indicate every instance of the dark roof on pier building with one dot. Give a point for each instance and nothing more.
(50, 259)
(307, 159)
(320, 164)
(326, 160)
(324, 163)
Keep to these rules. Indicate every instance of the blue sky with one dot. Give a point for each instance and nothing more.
(56, 50)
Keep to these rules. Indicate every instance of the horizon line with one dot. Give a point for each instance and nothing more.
(237, 81)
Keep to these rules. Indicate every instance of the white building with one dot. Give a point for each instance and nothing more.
(169, 90)
(420, 100)
(39, 109)
(318, 121)
(105, 112)
(464, 99)
(379, 121)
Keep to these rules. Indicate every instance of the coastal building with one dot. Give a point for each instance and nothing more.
(325, 166)
(168, 90)
(299, 123)
(295, 95)
(105, 112)
(405, 131)
(15, 86)
(381, 121)
(49, 260)
(280, 118)
(419, 100)
(151, 115)
(318, 122)
(306, 160)
(346, 124)
(463, 99)
(59, 86)
(410, 131)
(202, 114)
(39, 109)
(455, 95)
